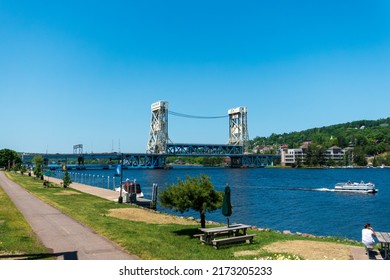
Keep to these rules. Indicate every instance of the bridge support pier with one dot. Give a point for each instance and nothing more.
(236, 162)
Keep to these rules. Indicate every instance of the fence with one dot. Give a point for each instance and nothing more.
(105, 182)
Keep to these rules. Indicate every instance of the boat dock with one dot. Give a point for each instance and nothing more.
(110, 194)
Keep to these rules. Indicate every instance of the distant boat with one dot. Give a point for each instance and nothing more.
(356, 187)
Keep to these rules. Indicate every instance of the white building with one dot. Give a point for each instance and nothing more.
(292, 156)
(334, 153)
(298, 156)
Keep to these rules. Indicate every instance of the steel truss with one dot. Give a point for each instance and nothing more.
(238, 127)
(253, 160)
(203, 150)
(144, 160)
(158, 136)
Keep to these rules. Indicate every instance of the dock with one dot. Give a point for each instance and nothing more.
(110, 194)
(140, 201)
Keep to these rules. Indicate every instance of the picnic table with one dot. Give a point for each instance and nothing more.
(231, 234)
(384, 240)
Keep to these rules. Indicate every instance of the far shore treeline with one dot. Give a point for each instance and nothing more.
(369, 140)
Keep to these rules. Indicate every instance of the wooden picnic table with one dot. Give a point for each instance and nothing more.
(233, 233)
(384, 240)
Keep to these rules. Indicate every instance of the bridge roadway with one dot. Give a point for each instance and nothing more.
(147, 160)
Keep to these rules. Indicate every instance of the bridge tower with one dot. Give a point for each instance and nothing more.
(78, 150)
(158, 136)
(238, 127)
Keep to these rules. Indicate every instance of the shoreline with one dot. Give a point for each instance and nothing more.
(195, 166)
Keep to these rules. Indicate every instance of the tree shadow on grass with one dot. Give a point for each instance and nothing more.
(187, 232)
(41, 256)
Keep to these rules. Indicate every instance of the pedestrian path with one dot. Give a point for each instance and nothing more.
(103, 193)
(67, 238)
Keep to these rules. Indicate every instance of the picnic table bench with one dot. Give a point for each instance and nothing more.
(232, 234)
(384, 240)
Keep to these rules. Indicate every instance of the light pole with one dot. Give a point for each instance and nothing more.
(120, 173)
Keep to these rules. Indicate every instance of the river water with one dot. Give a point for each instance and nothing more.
(299, 200)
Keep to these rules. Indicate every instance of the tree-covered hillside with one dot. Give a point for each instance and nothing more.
(371, 138)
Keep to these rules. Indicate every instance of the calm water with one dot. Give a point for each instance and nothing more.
(287, 199)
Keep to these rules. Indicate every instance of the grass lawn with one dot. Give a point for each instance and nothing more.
(149, 241)
(17, 239)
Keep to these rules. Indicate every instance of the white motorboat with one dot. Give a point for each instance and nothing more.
(131, 187)
(356, 187)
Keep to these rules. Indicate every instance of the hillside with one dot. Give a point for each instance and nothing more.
(368, 137)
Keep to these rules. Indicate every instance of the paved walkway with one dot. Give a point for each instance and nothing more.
(103, 193)
(65, 236)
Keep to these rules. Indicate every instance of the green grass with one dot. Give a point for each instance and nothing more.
(17, 239)
(148, 241)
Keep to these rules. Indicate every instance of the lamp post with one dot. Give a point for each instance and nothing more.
(120, 198)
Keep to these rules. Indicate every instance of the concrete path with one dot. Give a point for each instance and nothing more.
(100, 192)
(65, 236)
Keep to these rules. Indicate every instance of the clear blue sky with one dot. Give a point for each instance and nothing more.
(87, 71)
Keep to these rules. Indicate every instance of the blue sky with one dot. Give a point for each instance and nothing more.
(87, 71)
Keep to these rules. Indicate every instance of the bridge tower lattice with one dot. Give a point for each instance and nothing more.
(158, 136)
(78, 149)
(238, 127)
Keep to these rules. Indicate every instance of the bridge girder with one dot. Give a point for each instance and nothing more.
(144, 160)
(203, 149)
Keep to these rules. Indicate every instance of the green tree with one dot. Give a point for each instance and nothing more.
(23, 169)
(9, 158)
(315, 155)
(195, 193)
(359, 157)
(38, 166)
(66, 180)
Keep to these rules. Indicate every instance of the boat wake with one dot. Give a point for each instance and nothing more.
(324, 190)
(309, 189)
(329, 190)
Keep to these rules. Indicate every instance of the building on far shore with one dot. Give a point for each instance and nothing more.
(292, 156)
(298, 156)
(335, 153)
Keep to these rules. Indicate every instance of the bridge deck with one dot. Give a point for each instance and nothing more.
(238, 158)
(204, 149)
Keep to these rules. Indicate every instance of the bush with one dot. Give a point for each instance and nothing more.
(66, 180)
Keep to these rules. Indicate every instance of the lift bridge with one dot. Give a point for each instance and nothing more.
(160, 146)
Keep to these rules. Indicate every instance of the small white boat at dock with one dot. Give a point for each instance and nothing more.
(356, 187)
(131, 187)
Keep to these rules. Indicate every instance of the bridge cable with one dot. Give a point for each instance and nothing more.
(195, 117)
